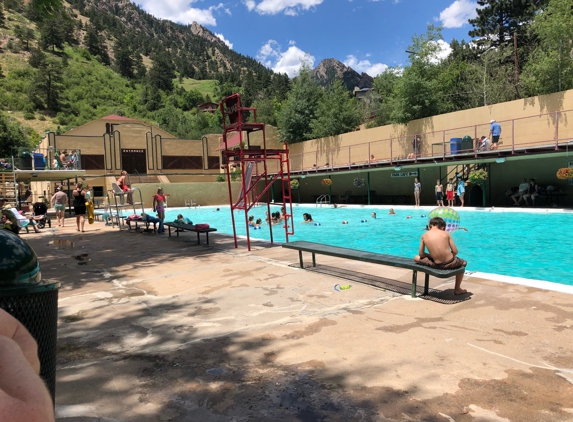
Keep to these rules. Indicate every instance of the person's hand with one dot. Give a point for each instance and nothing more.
(13, 329)
(23, 395)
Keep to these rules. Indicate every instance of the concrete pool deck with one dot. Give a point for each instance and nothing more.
(153, 328)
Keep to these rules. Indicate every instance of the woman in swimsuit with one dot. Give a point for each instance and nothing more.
(417, 191)
(123, 184)
(159, 204)
(80, 206)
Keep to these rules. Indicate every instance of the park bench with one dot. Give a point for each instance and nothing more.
(191, 228)
(374, 258)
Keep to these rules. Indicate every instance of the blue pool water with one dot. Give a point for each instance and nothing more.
(519, 244)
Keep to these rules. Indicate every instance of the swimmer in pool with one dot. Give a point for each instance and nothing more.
(307, 218)
(373, 215)
(391, 212)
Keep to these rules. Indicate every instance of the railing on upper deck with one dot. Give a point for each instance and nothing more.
(41, 159)
(518, 135)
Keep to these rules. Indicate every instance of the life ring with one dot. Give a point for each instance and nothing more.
(90, 212)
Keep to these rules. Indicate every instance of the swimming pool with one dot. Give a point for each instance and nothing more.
(531, 245)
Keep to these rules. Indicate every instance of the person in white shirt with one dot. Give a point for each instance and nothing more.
(523, 188)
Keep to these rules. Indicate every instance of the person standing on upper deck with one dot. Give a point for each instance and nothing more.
(494, 134)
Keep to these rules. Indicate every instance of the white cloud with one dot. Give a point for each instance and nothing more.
(274, 7)
(289, 61)
(181, 11)
(365, 66)
(226, 41)
(442, 52)
(457, 14)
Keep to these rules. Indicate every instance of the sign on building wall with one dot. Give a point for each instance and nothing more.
(405, 174)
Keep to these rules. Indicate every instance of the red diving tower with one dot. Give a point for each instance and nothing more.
(255, 163)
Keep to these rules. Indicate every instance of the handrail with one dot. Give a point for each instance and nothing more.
(323, 199)
(517, 134)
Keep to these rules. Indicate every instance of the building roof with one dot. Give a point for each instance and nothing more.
(116, 117)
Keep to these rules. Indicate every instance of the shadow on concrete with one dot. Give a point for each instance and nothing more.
(201, 379)
(445, 297)
(130, 358)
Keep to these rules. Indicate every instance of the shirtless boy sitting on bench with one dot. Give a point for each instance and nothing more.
(442, 251)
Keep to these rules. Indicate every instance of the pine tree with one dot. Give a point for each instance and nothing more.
(498, 20)
(46, 88)
(52, 36)
(123, 60)
(37, 58)
(25, 35)
(162, 73)
(95, 45)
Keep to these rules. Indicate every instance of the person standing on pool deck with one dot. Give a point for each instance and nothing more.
(450, 193)
(461, 190)
(442, 251)
(494, 134)
(159, 206)
(417, 191)
(80, 206)
(59, 201)
(439, 190)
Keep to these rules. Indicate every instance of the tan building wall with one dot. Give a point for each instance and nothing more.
(203, 193)
(527, 122)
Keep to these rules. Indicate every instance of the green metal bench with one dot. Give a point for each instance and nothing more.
(190, 228)
(374, 258)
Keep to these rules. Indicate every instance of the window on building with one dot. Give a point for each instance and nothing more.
(213, 162)
(182, 163)
(92, 162)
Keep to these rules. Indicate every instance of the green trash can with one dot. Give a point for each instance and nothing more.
(26, 161)
(30, 300)
(467, 144)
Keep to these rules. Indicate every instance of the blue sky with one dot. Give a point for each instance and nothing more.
(367, 35)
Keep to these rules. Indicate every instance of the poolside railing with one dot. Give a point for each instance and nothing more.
(541, 131)
(41, 159)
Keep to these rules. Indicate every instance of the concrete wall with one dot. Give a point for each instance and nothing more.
(203, 193)
(525, 122)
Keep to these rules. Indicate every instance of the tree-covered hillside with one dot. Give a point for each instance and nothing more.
(63, 66)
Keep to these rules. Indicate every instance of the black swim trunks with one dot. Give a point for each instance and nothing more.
(495, 139)
(439, 196)
(452, 264)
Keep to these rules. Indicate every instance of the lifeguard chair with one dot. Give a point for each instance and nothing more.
(253, 163)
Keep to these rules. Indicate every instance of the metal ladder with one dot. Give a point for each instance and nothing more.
(323, 200)
(117, 215)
